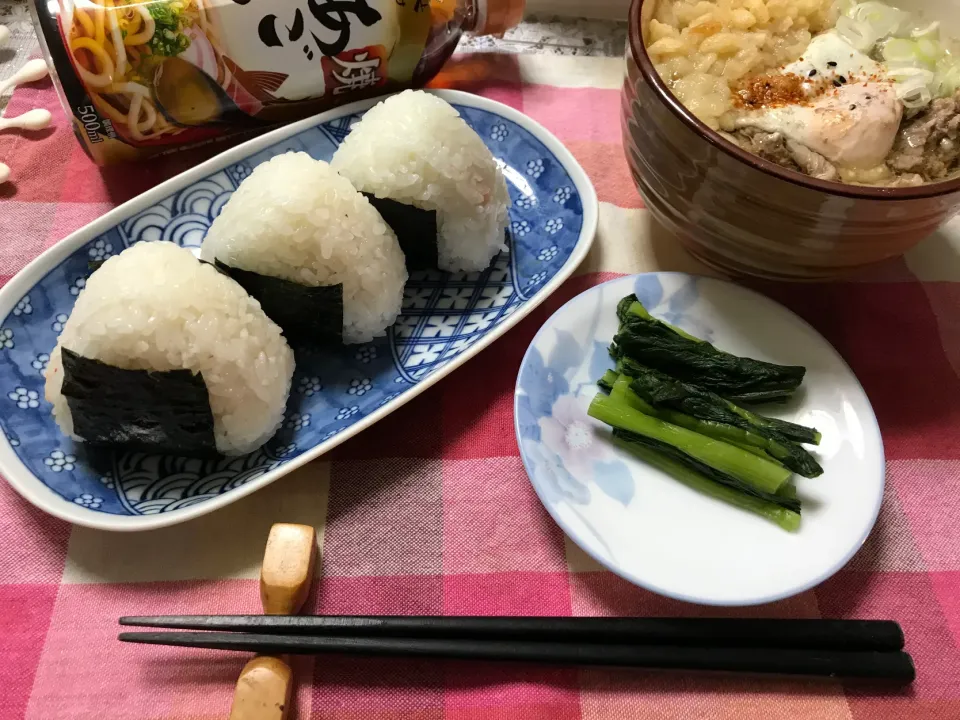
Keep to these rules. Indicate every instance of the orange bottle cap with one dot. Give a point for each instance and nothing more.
(495, 17)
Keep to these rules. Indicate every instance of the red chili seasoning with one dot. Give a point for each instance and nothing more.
(770, 90)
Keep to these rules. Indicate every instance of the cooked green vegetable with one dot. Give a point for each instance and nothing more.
(786, 499)
(607, 381)
(664, 393)
(168, 38)
(735, 436)
(753, 471)
(661, 346)
(630, 305)
(788, 490)
(787, 518)
(672, 401)
(791, 431)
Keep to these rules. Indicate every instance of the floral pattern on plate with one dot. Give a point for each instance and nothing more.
(655, 531)
(444, 315)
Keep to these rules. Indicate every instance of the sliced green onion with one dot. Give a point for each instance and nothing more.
(881, 19)
(911, 75)
(931, 30)
(947, 80)
(910, 48)
(929, 50)
(858, 34)
(917, 98)
(846, 8)
(899, 50)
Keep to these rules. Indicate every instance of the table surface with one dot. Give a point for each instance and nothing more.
(430, 512)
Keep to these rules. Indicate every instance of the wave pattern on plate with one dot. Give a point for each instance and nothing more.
(443, 315)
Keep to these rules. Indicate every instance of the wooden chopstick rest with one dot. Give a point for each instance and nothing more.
(287, 570)
(263, 690)
(265, 686)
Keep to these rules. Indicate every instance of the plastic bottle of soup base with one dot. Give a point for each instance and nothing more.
(141, 77)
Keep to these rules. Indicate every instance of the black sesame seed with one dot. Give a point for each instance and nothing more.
(812, 73)
(831, 64)
(837, 83)
(843, 79)
(853, 107)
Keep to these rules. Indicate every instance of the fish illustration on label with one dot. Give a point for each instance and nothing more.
(169, 72)
(141, 77)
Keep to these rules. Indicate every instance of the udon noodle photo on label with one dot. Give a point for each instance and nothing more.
(141, 77)
(128, 55)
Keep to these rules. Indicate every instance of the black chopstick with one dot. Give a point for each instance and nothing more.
(896, 666)
(847, 635)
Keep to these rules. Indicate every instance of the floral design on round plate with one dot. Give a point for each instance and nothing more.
(655, 531)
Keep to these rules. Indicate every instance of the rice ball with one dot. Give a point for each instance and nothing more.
(415, 148)
(296, 219)
(156, 307)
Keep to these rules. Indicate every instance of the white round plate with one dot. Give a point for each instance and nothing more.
(655, 531)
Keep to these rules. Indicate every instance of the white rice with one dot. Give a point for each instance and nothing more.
(156, 307)
(416, 149)
(294, 218)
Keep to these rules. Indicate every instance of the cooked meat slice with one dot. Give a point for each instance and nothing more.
(813, 164)
(906, 157)
(929, 143)
(769, 146)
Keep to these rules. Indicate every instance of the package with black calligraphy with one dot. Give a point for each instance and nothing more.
(142, 77)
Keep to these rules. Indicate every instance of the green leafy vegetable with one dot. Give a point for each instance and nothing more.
(168, 38)
(672, 401)
(786, 498)
(732, 435)
(630, 306)
(791, 431)
(664, 393)
(607, 381)
(662, 347)
(786, 517)
(752, 471)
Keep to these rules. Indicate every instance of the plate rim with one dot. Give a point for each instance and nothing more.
(652, 587)
(29, 487)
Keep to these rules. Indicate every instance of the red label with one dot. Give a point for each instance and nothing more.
(354, 70)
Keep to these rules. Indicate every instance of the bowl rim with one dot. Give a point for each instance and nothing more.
(638, 53)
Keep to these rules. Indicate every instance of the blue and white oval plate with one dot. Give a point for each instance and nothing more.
(446, 319)
(655, 531)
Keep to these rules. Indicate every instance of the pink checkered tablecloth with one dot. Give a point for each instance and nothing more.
(430, 511)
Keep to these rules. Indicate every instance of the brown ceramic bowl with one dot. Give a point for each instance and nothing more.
(743, 214)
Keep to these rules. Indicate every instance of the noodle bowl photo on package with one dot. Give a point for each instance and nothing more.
(120, 51)
(143, 77)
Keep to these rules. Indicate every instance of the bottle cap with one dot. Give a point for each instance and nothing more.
(495, 17)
